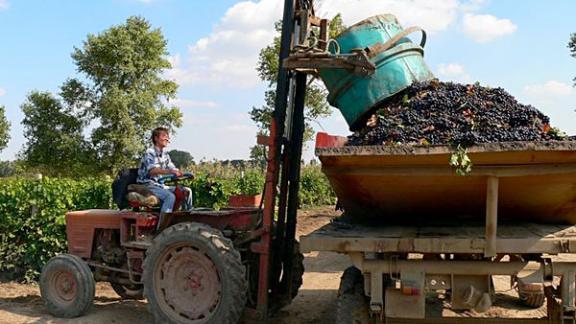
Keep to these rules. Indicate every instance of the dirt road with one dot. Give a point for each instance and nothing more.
(315, 302)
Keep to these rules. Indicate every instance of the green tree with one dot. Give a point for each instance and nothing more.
(316, 105)
(55, 144)
(125, 94)
(4, 129)
(572, 47)
(181, 159)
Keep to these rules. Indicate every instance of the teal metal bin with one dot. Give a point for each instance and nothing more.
(398, 61)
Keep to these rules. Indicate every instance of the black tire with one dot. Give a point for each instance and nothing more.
(530, 295)
(193, 274)
(533, 300)
(352, 304)
(297, 269)
(67, 286)
(134, 292)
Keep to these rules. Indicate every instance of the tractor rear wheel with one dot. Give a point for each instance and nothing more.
(67, 286)
(193, 274)
(135, 292)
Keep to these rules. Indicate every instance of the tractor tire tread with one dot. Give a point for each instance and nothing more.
(233, 300)
(86, 286)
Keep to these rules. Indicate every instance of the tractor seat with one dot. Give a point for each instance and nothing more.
(139, 196)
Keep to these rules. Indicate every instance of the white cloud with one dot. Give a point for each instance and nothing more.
(485, 28)
(551, 88)
(433, 16)
(188, 103)
(229, 54)
(4, 4)
(453, 72)
(2, 92)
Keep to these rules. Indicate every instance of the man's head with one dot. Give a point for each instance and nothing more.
(160, 137)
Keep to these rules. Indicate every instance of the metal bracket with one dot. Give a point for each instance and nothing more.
(311, 62)
(376, 293)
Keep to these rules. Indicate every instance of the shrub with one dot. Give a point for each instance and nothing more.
(315, 188)
(32, 212)
(32, 219)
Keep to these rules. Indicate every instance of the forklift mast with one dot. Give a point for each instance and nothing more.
(303, 50)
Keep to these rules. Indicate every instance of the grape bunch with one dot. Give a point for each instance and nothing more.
(446, 113)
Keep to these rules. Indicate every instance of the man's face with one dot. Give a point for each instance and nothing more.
(162, 140)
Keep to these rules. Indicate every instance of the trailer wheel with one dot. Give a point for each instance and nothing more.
(193, 274)
(135, 292)
(531, 295)
(352, 304)
(67, 286)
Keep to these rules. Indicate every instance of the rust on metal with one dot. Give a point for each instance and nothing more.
(81, 225)
(416, 183)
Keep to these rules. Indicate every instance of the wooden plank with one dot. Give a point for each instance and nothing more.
(437, 240)
(467, 320)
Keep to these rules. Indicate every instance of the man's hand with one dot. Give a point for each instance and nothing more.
(177, 172)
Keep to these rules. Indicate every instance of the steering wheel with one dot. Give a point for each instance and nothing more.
(175, 179)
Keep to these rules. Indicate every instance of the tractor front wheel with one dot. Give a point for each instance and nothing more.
(67, 286)
(193, 274)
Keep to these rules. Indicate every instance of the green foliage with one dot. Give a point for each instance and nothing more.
(572, 47)
(250, 182)
(9, 168)
(32, 219)
(4, 129)
(55, 144)
(316, 105)
(181, 159)
(127, 95)
(315, 189)
(211, 192)
(461, 161)
(32, 212)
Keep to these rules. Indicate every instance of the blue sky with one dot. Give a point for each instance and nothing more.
(519, 45)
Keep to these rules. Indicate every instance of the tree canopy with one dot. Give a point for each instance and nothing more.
(572, 47)
(120, 98)
(126, 97)
(316, 105)
(4, 129)
(181, 159)
(55, 144)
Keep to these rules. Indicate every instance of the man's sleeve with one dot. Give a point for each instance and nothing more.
(150, 161)
(171, 165)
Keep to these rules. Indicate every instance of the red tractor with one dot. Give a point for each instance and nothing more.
(193, 266)
(206, 266)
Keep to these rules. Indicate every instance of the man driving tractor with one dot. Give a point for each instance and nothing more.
(155, 164)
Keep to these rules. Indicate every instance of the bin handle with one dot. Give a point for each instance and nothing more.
(374, 50)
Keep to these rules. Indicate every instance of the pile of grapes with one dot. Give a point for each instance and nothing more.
(432, 113)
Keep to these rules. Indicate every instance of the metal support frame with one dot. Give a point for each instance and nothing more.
(441, 275)
(491, 216)
(276, 245)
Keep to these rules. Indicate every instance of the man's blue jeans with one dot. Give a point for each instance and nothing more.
(166, 195)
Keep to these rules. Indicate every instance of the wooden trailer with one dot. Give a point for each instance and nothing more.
(412, 225)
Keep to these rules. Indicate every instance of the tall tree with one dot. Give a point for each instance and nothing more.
(4, 129)
(126, 95)
(181, 159)
(572, 47)
(316, 105)
(55, 144)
